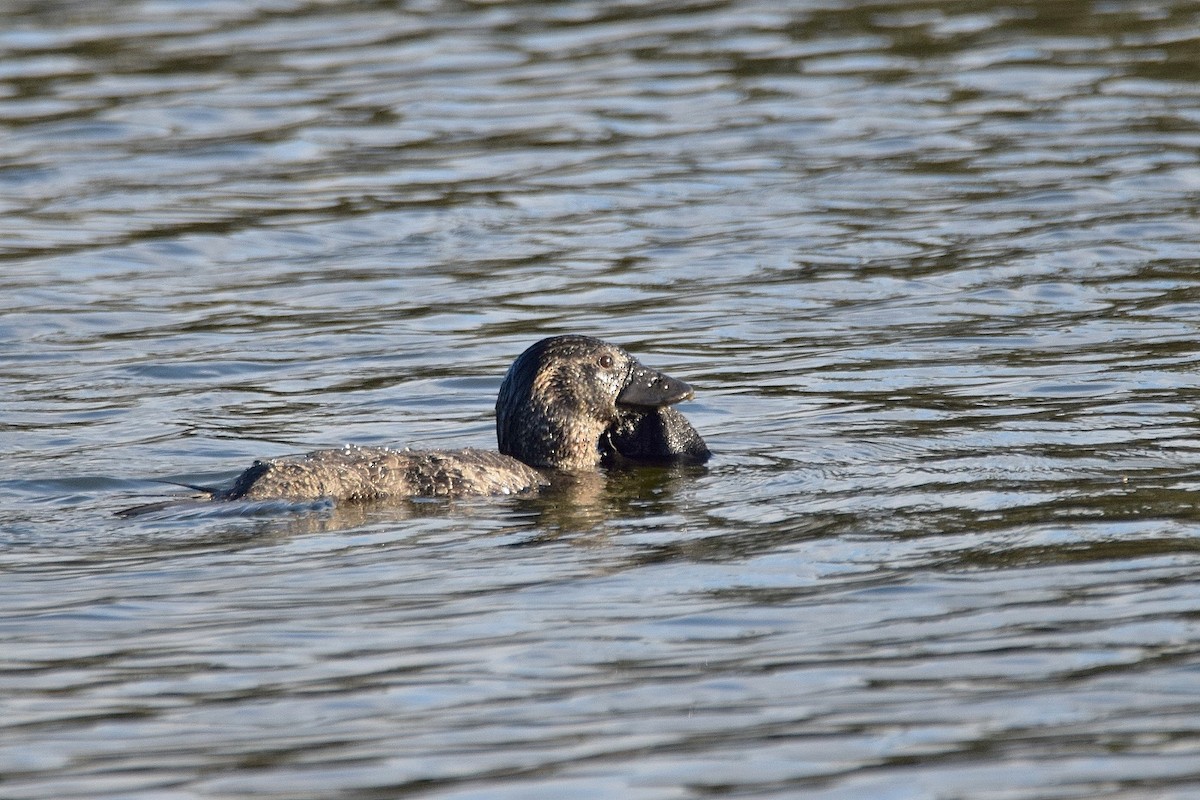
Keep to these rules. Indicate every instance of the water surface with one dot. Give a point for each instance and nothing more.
(931, 267)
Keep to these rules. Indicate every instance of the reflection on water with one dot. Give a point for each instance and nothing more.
(931, 268)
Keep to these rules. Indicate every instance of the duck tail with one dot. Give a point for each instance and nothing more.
(211, 491)
(144, 508)
(161, 505)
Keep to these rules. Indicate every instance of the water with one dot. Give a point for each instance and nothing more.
(931, 267)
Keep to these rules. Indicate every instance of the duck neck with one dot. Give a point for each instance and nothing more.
(548, 440)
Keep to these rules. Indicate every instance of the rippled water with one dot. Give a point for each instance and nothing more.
(932, 268)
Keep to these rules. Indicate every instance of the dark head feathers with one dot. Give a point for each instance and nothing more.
(561, 397)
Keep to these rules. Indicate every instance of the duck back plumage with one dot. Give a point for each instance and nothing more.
(364, 474)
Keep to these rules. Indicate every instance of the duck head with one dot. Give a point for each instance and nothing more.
(561, 395)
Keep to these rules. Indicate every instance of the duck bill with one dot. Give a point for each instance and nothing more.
(650, 388)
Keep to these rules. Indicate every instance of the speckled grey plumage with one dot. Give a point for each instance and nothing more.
(364, 474)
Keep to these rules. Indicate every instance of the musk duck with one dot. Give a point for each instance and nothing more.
(568, 403)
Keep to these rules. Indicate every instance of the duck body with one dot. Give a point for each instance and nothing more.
(567, 404)
(372, 474)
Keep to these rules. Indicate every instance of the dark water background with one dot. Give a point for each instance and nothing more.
(932, 267)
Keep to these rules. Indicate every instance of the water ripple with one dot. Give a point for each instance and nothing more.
(931, 270)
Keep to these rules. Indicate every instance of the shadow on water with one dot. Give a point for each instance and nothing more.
(583, 504)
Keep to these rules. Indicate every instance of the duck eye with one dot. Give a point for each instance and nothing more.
(605, 361)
